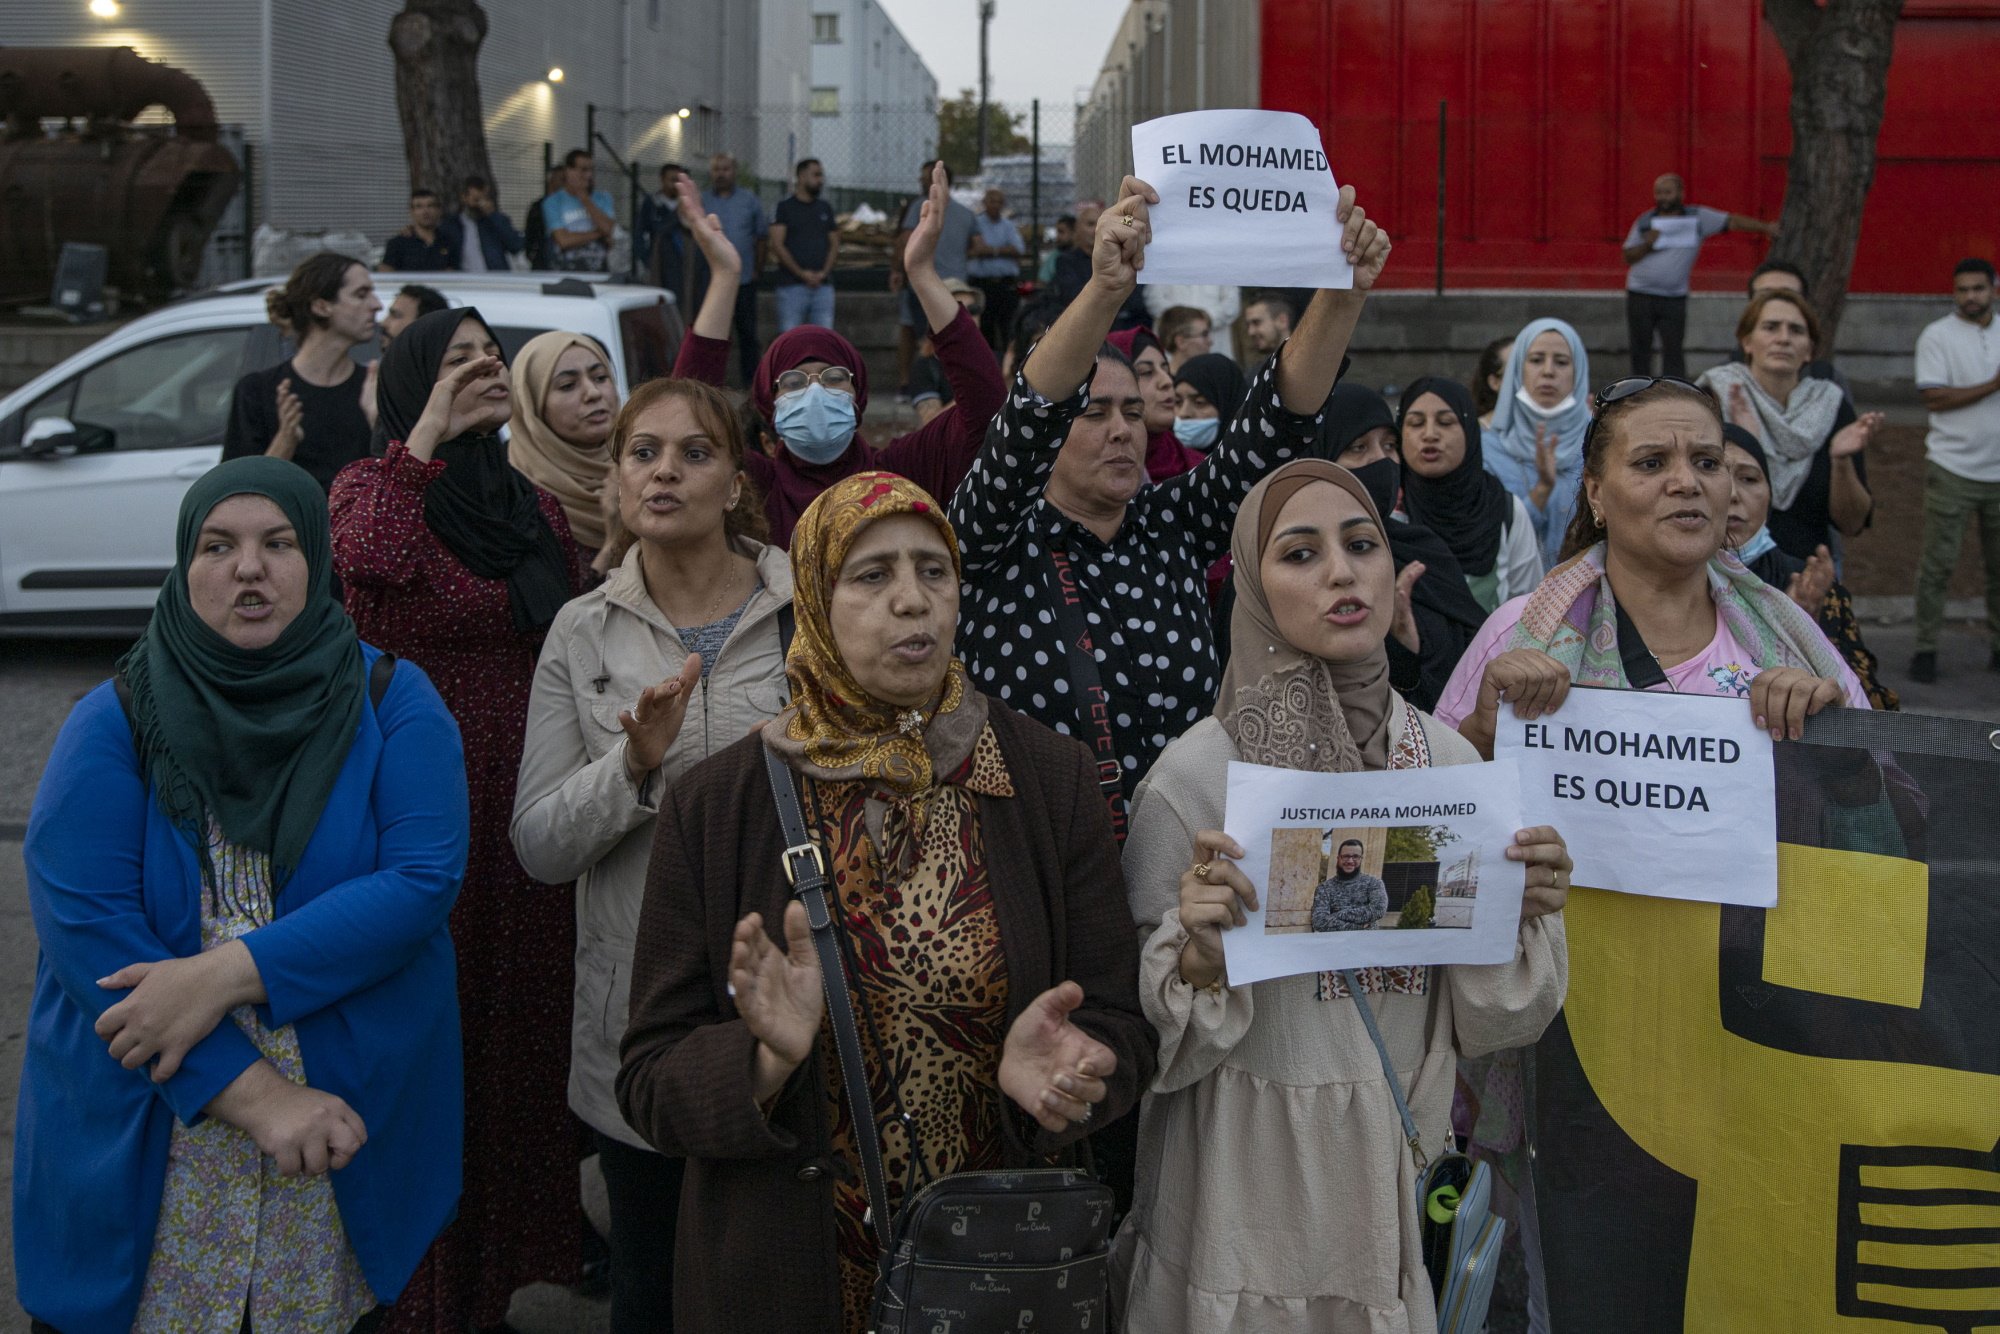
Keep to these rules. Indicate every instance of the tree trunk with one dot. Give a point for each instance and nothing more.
(436, 45)
(1839, 52)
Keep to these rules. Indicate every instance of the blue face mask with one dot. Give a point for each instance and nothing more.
(1197, 432)
(815, 423)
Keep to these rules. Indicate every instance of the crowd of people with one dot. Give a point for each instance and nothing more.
(425, 845)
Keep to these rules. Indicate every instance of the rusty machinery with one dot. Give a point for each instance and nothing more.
(150, 195)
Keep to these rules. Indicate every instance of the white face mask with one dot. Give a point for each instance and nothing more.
(1526, 400)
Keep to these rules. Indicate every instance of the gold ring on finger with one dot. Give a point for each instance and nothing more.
(1127, 219)
(1201, 870)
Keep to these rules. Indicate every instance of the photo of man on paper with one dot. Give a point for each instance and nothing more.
(1350, 899)
(1382, 878)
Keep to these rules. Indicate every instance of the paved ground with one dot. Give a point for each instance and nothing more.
(39, 681)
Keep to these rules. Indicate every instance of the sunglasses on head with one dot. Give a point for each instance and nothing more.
(1619, 390)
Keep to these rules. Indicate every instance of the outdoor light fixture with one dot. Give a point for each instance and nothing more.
(683, 113)
(555, 75)
(104, 9)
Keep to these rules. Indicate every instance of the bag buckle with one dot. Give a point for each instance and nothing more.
(1418, 1155)
(802, 850)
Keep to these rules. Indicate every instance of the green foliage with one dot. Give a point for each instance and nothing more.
(1416, 843)
(958, 133)
(1420, 911)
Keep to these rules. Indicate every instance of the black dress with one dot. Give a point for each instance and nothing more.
(334, 431)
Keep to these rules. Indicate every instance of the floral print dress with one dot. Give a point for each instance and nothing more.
(234, 1236)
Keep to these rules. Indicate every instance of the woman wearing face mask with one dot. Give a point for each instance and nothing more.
(239, 1106)
(1447, 488)
(565, 401)
(1813, 441)
(454, 560)
(672, 659)
(812, 384)
(1537, 435)
(1436, 614)
(1810, 583)
(1208, 393)
(977, 885)
(1230, 1232)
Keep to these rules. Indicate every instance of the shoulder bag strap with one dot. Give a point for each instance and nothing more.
(1417, 1154)
(805, 868)
(1642, 669)
(379, 677)
(1093, 706)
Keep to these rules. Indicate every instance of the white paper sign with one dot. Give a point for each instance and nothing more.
(1246, 197)
(1660, 794)
(1677, 233)
(1360, 870)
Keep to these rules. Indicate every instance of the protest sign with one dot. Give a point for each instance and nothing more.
(1658, 794)
(1751, 1120)
(1245, 197)
(1362, 870)
(1677, 233)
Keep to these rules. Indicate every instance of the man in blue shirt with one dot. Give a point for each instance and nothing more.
(743, 222)
(579, 218)
(951, 261)
(661, 242)
(805, 240)
(995, 266)
(486, 235)
(424, 246)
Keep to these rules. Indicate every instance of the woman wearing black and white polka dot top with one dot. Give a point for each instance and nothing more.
(1058, 500)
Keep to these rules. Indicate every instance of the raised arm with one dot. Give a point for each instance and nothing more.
(1065, 356)
(1280, 414)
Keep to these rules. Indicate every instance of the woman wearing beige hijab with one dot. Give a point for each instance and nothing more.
(566, 399)
(1275, 1190)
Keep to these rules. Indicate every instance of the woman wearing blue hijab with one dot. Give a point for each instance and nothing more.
(1535, 445)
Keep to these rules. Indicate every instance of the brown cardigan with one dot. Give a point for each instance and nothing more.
(755, 1244)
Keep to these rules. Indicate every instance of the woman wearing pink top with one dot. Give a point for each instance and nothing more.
(1647, 596)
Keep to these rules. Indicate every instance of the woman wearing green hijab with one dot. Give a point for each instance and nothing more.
(240, 1104)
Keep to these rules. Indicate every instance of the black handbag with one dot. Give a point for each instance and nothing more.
(972, 1251)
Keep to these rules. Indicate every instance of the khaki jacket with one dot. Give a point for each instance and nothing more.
(578, 816)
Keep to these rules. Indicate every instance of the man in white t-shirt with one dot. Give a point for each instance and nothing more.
(1958, 374)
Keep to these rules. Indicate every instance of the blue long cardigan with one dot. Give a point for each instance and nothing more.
(358, 961)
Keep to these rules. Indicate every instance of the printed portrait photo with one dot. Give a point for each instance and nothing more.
(1375, 878)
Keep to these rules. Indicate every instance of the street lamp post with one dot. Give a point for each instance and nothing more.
(985, 80)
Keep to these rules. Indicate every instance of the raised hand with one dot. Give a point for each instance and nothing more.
(1854, 437)
(655, 718)
(369, 396)
(1214, 897)
(921, 248)
(1053, 1070)
(1545, 465)
(706, 228)
(1403, 629)
(442, 418)
(1122, 233)
(1364, 243)
(778, 994)
(1810, 586)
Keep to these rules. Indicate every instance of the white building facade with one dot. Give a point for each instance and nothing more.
(873, 100)
(312, 84)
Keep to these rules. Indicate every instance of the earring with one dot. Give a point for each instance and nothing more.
(1596, 516)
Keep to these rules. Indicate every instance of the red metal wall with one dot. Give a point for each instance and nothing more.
(1561, 112)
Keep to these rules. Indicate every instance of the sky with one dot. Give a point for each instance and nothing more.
(1050, 49)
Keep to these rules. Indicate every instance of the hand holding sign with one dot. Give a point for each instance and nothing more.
(1122, 233)
(1249, 197)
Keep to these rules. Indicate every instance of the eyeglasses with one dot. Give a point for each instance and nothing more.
(1618, 390)
(837, 378)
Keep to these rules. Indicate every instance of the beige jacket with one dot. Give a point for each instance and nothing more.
(577, 814)
(1275, 1192)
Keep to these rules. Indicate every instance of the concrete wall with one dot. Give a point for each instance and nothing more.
(1404, 334)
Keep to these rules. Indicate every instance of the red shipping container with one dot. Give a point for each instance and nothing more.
(1559, 114)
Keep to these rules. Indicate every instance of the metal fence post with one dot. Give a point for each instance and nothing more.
(1441, 149)
(1035, 188)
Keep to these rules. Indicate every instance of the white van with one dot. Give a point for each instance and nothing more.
(96, 453)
